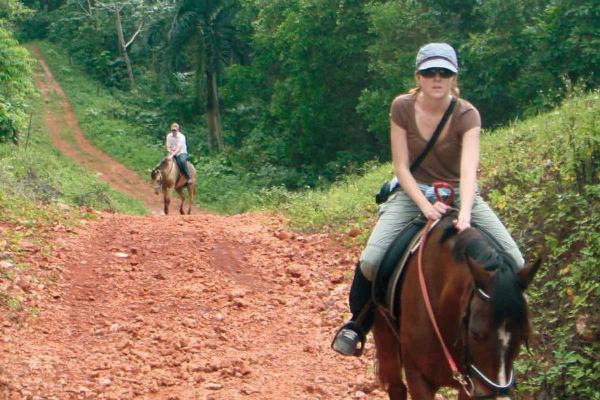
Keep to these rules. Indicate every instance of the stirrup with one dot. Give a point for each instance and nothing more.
(347, 339)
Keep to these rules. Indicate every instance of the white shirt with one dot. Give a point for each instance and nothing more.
(174, 141)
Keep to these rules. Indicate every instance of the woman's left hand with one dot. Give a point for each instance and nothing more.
(462, 223)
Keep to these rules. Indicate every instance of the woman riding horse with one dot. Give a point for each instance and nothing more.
(460, 321)
(177, 148)
(420, 158)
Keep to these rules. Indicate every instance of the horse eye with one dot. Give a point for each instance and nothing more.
(477, 336)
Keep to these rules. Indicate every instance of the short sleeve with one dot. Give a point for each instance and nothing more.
(398, 113)
(469, 119)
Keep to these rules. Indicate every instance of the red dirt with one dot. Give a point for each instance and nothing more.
(176, 307)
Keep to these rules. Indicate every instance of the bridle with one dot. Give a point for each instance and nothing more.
(464, 379)
(472, 370)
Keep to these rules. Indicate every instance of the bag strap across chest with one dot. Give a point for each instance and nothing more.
(438, 130)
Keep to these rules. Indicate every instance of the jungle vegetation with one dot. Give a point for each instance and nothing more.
(285, 106)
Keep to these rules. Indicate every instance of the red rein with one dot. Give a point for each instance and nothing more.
(456, 374)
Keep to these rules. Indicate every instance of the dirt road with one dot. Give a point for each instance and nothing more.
(62, 125)
(172, 307)
(194, 307)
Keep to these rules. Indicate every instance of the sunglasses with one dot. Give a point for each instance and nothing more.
(431, 72)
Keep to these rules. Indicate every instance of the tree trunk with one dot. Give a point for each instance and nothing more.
(122, 45)
(213, 106)
(90, 5)
(203, 98)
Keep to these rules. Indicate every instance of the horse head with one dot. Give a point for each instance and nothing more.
(160, 172)
(495, 319)
(154, 174)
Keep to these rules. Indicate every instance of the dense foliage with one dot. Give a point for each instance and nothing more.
(302, 88)
(15, 74)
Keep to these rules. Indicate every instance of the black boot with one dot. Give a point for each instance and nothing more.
(350, 338)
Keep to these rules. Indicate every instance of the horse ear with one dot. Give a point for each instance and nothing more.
(526, 274)
(480, 274)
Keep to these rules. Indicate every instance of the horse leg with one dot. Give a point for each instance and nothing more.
(166, 200)
(418, 387)
(388, 358)
(179, 191)
(191, 195)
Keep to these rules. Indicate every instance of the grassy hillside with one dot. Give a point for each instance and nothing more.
(117, 123)
(35, 173)
(543, 176)
(105, 118)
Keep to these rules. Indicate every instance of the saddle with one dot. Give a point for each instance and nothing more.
(389, 273)
(388, 276)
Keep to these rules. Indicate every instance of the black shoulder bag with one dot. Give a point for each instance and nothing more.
(386, 189)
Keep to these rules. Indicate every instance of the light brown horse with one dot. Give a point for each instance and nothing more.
(476, 296)
(167, 175)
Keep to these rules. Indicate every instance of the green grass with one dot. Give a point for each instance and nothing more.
(35, 173)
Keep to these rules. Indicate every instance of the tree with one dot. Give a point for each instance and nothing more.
(15, 73)
(116, 7)
(311, 54)
(205, 28)
(399, 28)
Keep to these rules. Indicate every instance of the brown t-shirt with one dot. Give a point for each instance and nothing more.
(443, 160)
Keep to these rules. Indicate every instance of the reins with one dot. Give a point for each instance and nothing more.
(463, 380)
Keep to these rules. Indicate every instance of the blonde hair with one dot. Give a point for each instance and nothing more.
(455, 90)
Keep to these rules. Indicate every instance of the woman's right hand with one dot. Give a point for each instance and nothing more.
(435, 211)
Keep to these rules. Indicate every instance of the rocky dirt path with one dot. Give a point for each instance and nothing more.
(193, 307)
(171, 307)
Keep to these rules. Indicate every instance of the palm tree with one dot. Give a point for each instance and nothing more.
(206, 28)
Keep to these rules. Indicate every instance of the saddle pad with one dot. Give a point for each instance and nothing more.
(394, 281)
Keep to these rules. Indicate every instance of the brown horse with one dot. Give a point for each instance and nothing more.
(166, 175)
(477, 301)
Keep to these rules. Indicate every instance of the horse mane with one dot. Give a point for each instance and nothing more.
(507, 293)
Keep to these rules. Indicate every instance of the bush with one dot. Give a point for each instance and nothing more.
(15, 86)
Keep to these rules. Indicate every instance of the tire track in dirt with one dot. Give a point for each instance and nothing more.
(81, 150)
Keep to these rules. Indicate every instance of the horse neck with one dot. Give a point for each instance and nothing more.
(452, 280)
(170, 171)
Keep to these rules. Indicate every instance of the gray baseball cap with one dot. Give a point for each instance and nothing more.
(437, 55)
